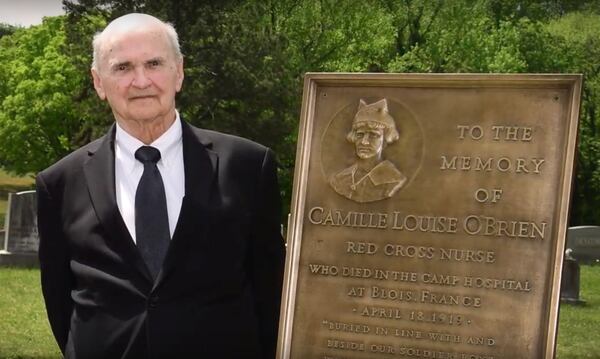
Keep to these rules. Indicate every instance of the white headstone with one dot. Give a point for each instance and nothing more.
(21, 234)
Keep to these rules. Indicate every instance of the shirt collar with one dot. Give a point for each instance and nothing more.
(167, 144)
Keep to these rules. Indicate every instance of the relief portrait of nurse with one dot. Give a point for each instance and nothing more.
(372, 177)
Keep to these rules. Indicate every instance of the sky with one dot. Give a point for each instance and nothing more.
(28, 12)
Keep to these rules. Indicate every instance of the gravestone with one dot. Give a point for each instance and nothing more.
(569, 285)
(585, 243)
(21, 239)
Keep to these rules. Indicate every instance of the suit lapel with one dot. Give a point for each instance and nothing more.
(200, 166)
(100, 176)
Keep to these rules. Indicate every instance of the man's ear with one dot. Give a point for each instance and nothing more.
(180, 76)
(98, 85)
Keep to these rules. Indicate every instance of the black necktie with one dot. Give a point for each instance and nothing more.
(151, 218)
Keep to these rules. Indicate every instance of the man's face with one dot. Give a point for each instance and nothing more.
(139, 75)
(368, 141)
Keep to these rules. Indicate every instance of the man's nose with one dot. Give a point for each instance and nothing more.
(140, 79)
(365, 140)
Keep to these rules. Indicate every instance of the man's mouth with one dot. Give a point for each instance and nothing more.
(140, 97)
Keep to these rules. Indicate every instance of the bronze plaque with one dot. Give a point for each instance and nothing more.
(429, 216)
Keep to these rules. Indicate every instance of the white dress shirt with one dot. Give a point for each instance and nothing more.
(128, 171)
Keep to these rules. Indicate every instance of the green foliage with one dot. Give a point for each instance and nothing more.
(460, 42)
(581, 37)
(7, 29)
(457, 40)
(94, 115)
(37, 121)
(329, 35)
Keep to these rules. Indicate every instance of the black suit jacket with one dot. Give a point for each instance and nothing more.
(218, 294)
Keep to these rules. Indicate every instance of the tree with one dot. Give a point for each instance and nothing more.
(463, 36)
(37, 122)
(581, 34)
(7, 29)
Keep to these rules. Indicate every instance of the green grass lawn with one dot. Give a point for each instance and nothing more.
(579, 326)
(25, 333)
(24, 330)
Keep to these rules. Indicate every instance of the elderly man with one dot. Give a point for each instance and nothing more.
(159, 240)
(370, 178)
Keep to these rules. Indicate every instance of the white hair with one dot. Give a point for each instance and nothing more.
(132, 22)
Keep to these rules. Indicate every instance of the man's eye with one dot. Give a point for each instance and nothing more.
(154, 63)
(121, 67)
